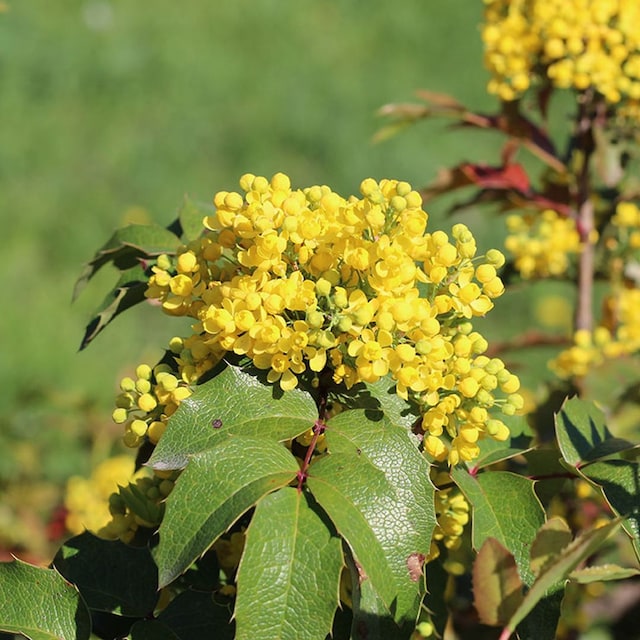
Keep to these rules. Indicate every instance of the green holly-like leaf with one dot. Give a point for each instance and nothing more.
(397, 410)
(41, 604)
(215, 489)
(128, 292)
(506, 508)
(290, 571)
(232, 402)
(191, 215)
(497, 587)
(620, 482)
(199, 614)
(101, 569)
(126, 247)
(583, 435)
(362, 505)
(375, 487)
(572, 555)
(391, 449)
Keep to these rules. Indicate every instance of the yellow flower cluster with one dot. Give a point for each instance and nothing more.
(572, 43)
(138, 502)
(542, 243)
(452, 515)
(86, 499)
(306, 281)
(591, 348)
(145, 404)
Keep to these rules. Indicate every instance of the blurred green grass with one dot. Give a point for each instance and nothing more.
(113, 105)
(109, 107)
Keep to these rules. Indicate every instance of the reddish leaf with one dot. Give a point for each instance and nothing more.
(512, 176)
(497, 588)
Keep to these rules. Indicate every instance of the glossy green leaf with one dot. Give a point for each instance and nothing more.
(361, 504)
(583, 435)
(191, 215)
(290, 571)
(552, 537)
(391, 449)
(199, 614)
(506, 508)
(232, 402)
(497, 588)
(128, 292)
(396, 410)
(620, 482)
(575, 553)
(126, 247)
(41, 604)
(602, 573)
(215, 489)
(101, 569)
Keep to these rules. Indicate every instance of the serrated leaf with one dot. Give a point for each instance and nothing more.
(197, 614)
(602, 573)
(575, 553)
(232, 402)
(497, 588)
(101, 569)
(389, 448)
(361, 504)
(41, 604)
(583, 435)
(397, 410)
(128, 292)
(126, 247)
(505, 507)
(620, 482)
(215, 489)
(289, 574)
(552, 537)
(191, 215)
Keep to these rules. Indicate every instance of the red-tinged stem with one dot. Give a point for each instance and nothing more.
(590, 110)
(319, 427)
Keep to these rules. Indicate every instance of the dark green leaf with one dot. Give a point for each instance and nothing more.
(126, 247)
(391, 449)
(505, 507)
(101, 569)
(232, 402)
(290, 571)
(191, 215)
(41, 604)
(620, 482)
(583, 435)
(198, 614)
(215, 489)
(128, 292)
(151, 630)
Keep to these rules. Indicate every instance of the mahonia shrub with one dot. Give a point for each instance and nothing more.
(333, 448)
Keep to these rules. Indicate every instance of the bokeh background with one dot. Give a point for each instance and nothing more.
(110, 111)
